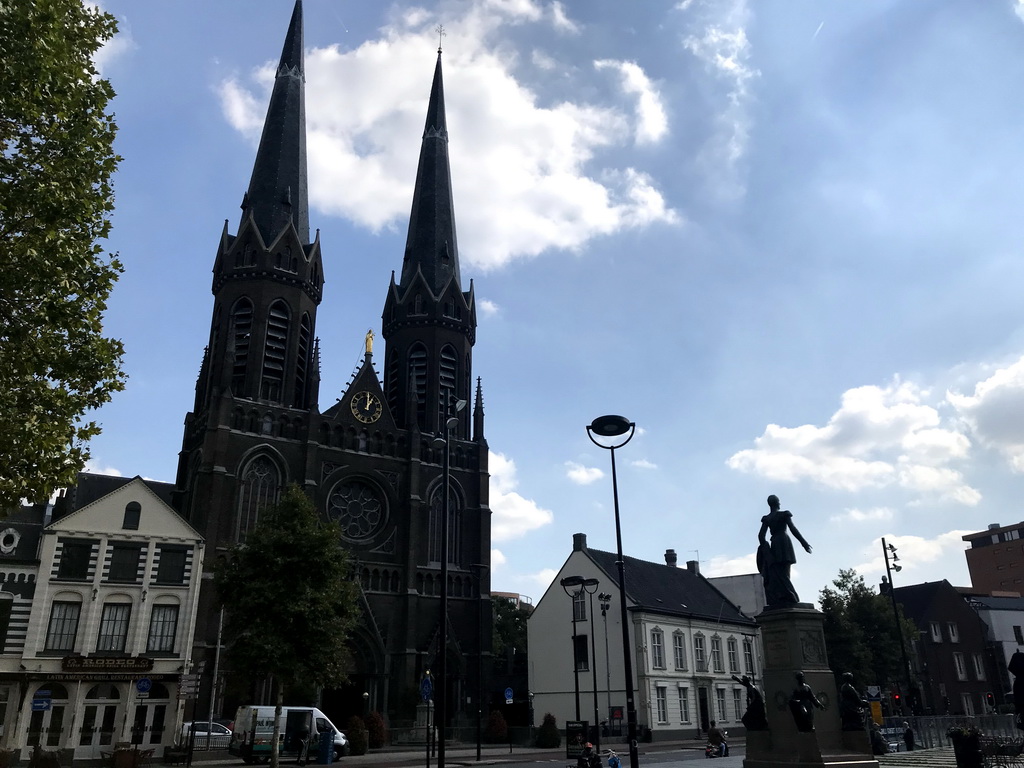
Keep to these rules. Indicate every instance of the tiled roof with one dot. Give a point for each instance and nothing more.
(661, 588)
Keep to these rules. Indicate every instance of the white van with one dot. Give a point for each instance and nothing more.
(254, 731)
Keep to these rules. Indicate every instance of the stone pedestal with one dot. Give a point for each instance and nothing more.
(793, 641)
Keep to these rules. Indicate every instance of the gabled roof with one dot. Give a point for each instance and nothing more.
(666, 589)
(96, 516)
(91, 486)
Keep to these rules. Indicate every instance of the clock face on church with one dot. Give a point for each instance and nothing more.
(366, 407)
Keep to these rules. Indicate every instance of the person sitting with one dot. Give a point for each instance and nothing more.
(717, 739)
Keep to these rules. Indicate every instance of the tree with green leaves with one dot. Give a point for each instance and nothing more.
(509, 632)
(860, 632)
(56, 161)
(290, 602)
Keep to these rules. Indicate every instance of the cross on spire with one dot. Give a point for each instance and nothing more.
(440, 33)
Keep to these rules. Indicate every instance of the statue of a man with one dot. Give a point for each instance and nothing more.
(775, 557)
(851, 705)
(754, 719)
(802, 705)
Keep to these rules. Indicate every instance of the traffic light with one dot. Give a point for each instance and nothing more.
(896, 698)
(991, 700)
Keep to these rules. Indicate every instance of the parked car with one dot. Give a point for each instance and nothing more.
(208, 735)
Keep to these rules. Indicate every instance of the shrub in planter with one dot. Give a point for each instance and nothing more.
(966, 740)
(358, 740)
(497, 730)
(548, 736)
(376, 731)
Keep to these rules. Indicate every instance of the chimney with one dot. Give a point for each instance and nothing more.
(693, 567)
(579, 542)
(993, 526)
(670, 557)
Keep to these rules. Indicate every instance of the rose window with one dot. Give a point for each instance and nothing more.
(358, 509)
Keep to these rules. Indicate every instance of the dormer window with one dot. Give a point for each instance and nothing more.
(132, 515)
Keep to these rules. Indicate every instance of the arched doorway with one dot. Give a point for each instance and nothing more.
(46, 726)
(99, 719)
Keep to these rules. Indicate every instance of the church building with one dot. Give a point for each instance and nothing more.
(371, 460)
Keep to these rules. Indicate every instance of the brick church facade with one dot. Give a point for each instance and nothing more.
(370, 460)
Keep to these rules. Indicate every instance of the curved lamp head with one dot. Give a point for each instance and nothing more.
(572, 584)
(611, 426)
(591, 585)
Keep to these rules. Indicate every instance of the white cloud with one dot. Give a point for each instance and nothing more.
(723, 47)
(562, 22)
(542, 61)
(1019, 9)
(914, 551)
(855, 515)
(498, 559)
(880, 436)
(995, 412)
(97, 468)
(651, 120)
(732, 566)
(582, 475)
(488, 308)
(544, 578)
(529, 168)
(512, 515)
(643, 464)
(119, 45)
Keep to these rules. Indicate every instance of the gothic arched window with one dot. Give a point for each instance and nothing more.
(447, 376)
(454, 527)
(302, 362)
(418, 380)
(274, 351)
(240, 335)
(258, 490)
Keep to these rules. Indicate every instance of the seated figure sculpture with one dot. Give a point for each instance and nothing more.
(851, 706)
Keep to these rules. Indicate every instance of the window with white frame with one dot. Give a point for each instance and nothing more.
(979, 667)
(582, 653)
(954, 632)
(661, 698)
(716, 654)
(63, 627)
(679, 649)
(579, 605)
(737, 703)
(163, 627)
(657, 648)
(684, 704)
(114, 627)
(734, 656)
(967, 702)
(936, 630)
(723, 715)
(961, 668)
(748, 656)
(700, 658)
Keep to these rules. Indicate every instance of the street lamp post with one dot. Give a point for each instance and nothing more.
(479, 569)
(617, 426)
(887, 551)
(605, 601)
(568, 583)
(593, 658)
(441, 694)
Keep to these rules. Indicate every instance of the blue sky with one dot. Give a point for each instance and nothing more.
(782, 237)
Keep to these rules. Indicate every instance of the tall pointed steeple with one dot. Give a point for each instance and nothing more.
(278, 189)
(431, 246)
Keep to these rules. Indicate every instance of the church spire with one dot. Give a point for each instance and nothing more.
(431, 246)
(278, 190)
